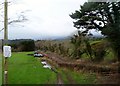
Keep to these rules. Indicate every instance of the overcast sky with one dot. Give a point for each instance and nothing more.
(46, 18)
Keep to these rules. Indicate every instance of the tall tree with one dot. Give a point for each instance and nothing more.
(103, 16)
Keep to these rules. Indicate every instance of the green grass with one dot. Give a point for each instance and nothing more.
(83, 78)
(77, 77)
(110, 56)
(64, 78)
(24, 69)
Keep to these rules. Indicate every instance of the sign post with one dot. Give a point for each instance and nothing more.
(7, 54)
(7, 51)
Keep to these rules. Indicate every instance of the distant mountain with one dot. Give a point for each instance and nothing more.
(62, 38)
(94, 33)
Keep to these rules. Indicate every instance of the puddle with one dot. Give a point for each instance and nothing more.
(45, 64)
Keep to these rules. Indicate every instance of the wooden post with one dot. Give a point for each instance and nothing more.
(6, 20)
(6, 71)
(5, 42)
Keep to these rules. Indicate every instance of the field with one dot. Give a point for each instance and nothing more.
(24, 69)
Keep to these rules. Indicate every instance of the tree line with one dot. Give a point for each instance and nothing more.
(20, 45)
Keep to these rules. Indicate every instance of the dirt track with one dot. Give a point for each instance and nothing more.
(105, 75)
(59, 79)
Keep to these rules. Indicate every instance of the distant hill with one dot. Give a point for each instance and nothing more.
(62, 38)
(95, 35)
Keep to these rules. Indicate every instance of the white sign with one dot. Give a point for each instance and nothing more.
(7, 51)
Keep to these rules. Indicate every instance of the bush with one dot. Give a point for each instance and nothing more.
(99, 51)
(99, 55)
(28, 45)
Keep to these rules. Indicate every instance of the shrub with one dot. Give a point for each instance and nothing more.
(28, 45)
(99, 51)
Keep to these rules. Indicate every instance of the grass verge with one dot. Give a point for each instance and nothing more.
(77, 77)
(24, 69)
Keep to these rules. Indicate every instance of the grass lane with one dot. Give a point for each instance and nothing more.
(24, 69)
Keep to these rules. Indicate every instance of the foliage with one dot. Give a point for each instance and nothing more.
(94, 50)
(77, 40)
(99, 50)
(53, 46)
(22, 45)
(27, 45)
(89, 50)
(103, 16)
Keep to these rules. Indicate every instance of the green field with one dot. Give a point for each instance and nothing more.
(24, 69)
